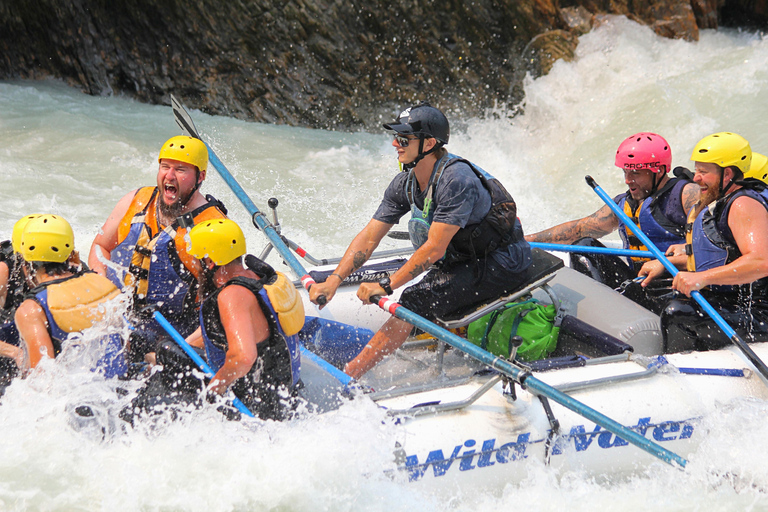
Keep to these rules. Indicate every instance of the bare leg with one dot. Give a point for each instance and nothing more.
(389, 338)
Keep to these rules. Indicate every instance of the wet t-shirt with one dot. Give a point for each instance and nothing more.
(459, 200)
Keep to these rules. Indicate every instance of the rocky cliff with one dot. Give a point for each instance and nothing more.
(320, 63)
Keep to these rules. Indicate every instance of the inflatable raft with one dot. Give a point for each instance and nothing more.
(463, 423)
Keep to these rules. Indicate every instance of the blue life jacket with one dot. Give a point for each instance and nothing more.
(712, 244)
(279, 360)
(660, 216)
(112, 362)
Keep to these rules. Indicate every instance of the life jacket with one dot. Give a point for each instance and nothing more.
(278, 362)
(710, 242)
(660, 216)
(499, 228)
(74, 303)
(17, 287)
(153, 262)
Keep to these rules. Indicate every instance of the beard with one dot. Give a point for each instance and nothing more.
(709, 196)
(173, 210)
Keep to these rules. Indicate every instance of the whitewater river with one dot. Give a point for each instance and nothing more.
(75, 155)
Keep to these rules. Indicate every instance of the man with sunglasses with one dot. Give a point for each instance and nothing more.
(462, 221)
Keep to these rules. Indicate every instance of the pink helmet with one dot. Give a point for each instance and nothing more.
(644, 151)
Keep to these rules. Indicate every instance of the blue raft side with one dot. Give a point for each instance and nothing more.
(336, 342)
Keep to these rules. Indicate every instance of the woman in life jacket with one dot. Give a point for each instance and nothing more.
(13, 288)
(249, 319)
(62, 301)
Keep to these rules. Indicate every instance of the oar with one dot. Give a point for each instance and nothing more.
(698, 297)
(260, 220)
(527, 381)
(180, 341)
(591, 250)
(402, 235)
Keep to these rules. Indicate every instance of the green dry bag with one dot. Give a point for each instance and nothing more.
(529, 319)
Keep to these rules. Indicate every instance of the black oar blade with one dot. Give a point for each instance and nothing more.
(183, 118)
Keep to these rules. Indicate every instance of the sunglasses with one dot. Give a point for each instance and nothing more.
(403, 141)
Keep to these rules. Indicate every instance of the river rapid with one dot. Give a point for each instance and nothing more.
(75, 155)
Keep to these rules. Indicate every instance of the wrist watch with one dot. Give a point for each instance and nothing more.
(385, 283)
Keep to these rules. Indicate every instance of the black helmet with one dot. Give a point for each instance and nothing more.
(423, 120)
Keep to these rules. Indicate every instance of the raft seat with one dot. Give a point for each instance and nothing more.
(543, 268)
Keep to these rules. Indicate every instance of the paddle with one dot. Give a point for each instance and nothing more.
(714, 315)
(402, 235)
(185, 123)
(260, 220)
(527, 381)
(591, 250)
(180, 341)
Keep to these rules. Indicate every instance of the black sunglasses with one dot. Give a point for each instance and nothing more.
(402, 140)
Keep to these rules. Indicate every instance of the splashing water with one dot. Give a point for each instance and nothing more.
(76, 155)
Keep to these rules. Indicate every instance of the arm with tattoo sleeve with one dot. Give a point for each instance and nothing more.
(597, 225)
(691, 193)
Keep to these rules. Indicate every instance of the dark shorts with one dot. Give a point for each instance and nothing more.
(445, 290)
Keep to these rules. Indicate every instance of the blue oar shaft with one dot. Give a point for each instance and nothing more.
(591, 250)
(261, 222)
(528, 381)
(180, 341)
(698, 297)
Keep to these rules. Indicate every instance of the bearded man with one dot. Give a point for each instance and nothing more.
(141, 246)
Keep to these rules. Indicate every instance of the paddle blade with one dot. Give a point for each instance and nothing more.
(183, 119)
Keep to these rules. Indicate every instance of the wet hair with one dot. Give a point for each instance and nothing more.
(51, 268)
(205, 282)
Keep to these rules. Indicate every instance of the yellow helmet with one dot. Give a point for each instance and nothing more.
(222, 240)
(47, 238)
(724, 149)
(185, 149)
(18, 229)
(758, 168)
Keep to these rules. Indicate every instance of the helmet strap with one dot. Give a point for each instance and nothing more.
(724, 191)
(194, 189)
(655, 183)
(422, 153)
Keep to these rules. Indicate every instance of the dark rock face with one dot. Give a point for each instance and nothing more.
(319, 63)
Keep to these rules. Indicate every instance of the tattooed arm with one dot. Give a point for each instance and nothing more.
(691, 193)
(597, 225)
(357, 253)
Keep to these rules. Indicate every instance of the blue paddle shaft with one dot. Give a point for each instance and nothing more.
(698, 297)
(258, 218)
(180, 341)
(184, 121)
(528, 381)
(591, 250)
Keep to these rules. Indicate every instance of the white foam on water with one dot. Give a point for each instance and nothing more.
(75, 155)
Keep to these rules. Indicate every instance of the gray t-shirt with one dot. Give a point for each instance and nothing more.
(460, 199)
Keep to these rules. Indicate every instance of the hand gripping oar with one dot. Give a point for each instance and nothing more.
(527, 381)
(698, 297)
(180, 341)
(586, 249)
(184, 121)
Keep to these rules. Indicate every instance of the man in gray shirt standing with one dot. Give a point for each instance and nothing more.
(463, 221)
